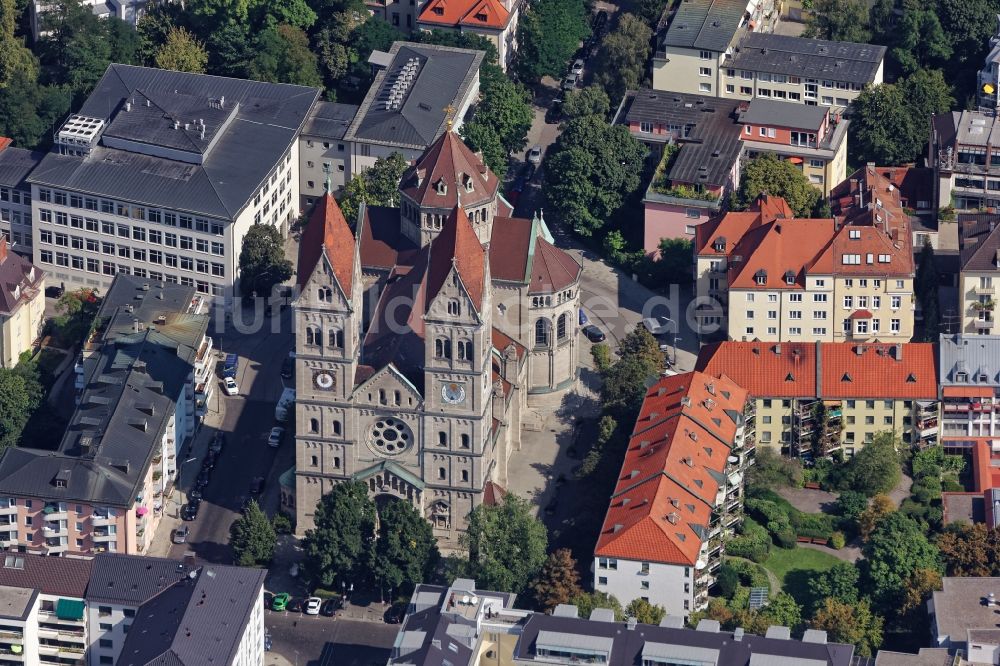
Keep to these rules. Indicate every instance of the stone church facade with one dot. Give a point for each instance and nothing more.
(421, 337)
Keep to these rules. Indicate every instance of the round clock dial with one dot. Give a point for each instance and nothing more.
(323, 380)
(453, 393)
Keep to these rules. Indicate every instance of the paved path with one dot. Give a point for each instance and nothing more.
(849, 553)
(808, 500)
(902, 490)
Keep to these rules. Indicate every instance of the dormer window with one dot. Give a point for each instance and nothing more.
(961, 377)
(481, 17)
(789, 278)
(760, 277)
(719, 245)
(441, 187)
(469, 183)
(854, 234)
(439, 10)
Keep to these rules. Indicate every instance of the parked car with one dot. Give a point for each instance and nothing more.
(593, 333)
(203, 478)
(274, 439)
(577, 67)
(230, 386)
(570, 82)
(54, 292)
(535, 155)
(313, 605)
(231, 365)
(554, 112)
(181, 534)
(218, 442)
(329, 608)
(657, 325)
(190, 511)
(279, 602)
(195, 494)
(293, 570)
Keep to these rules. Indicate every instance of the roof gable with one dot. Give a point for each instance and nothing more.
(446, 170)
(327, 234)
(456, 251)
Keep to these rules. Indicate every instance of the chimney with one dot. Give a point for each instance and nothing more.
(222, 102)
(630, 623)
(128, 106)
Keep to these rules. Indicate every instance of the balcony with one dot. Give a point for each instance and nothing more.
(983, 324)
(100, 536)
(102, 519)
(55, 512)
(53, 530)
(8, 509)
(984, 291)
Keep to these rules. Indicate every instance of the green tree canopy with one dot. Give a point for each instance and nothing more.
(504, 112)
(625, 381)
(15, 58)
(405, 550)
(376, 186)
(16, 406)
(772, 470)
(506, 544)
(589, 101)
(839, 20)
(839, 583)
(549, 33)
(252, 537)
(850, 622)
(645, 612)
(339, 547)
(262, 261)
(590, 170)
(586, 603)
(970, 550)
(557, 582)
(621, 60)
(283, 56)
(876, 468)
(182, 51)
(919, 42)
(766, 174)
(75, 49)
(894, 551)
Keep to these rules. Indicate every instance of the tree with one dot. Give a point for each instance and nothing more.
(894, 551)
(586, 603)
(182, 52)
(625, 381)
(506, 544)
(484, 139)
(262, 261)
(773, 470)
(766, 174)
(75, 312)
(29, 111)
(405, 550)
(876, 468)
(968, 24)
(851, 504)
(549, 33)
(970, 550)
(284, 56)
(882, 128)
(780, 610)
(645, 612)
(919, 40)
(15, 407)
(252, 537)
(839, 20)
(124, 42)
(75, 48)
(371, 35)
(623, 55)
(230, 51)
(557, 582)
(15, 58)
(589, 101)
(591, 169)
(339, 547)
(376, 186)
(649, 11)
(925, 287)
(839, 583)
(153, 27)
(869, 519)
(504, 112)
(917, 589)
(853, 623)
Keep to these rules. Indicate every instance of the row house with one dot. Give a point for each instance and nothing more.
(979, 266)
(679, 494)
(811, 399)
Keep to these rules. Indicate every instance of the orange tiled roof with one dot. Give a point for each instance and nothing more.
(661, 507)
(845, 370)
(451, 163)
(778, 250)
(327, 233)
(470, 13)
(457, 245)
(732, 226)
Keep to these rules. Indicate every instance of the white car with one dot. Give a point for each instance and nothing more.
(657, 325)
(274, 439)
(230, 387)
(312, 605)
(577, 67)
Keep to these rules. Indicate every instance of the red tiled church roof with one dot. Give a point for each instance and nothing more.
(457, 245)
(327, 231)
(453, 164)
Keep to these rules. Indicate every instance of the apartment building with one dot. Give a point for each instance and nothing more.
(15, 194)
(979, 272)
(811, 399)
(111, 610)
(970, 388)
(144, 375)
(964, 150)
(904, 192)
(22, 305)
(421, 92)
(680, 492)
(726, 48)
(494, 20)
(463, 626)
(161, 173)
(811, 138)
(323, 153)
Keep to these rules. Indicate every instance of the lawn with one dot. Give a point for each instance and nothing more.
(794, 567)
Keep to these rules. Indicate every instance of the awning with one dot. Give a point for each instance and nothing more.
(967, 391)
(141, 511)
(795, 160)
(69, 609)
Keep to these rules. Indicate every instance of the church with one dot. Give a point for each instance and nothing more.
(423, 335)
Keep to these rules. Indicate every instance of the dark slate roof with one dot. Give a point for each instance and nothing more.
(713, 144)
(442, 79)
(199, 620)
(628, 644)
(130, 580)
(330, 120)
(706, 24)
(809, 58)
(58, 576)
(126, 405)
(978, 241)
(16, 164)
(256, 124)
(783, 114)
(19, 280)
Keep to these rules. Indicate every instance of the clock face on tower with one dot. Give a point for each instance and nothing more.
(323, 380)
(453, 393)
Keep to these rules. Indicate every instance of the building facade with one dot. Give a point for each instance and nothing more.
(160, 174)
(964, 150)
(679, 494)
(22, 305)
(979, 272)
(421, 337)
(15, 195)
(812, 399)
(323, 153)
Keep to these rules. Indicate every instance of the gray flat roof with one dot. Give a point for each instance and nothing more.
(245, 145)
(783, 114)
(705, 24)
(329, 120)
(926, 657)
(442, 77)
(16, 602)
(16, 164)
(973, 128)
(959, 606)
(807, 58)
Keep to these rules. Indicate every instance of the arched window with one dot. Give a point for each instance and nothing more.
(397, 397)
(561, 327)
(319, 338)
(336, 339)
(336, 427)
(381, 396)
(465, 475)
(442, 348)
(541, 333)
(314, 425)
(443, 438)
(464, 350)
(442, 474)
(310, 336)
(453, 308)
(465, 441)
